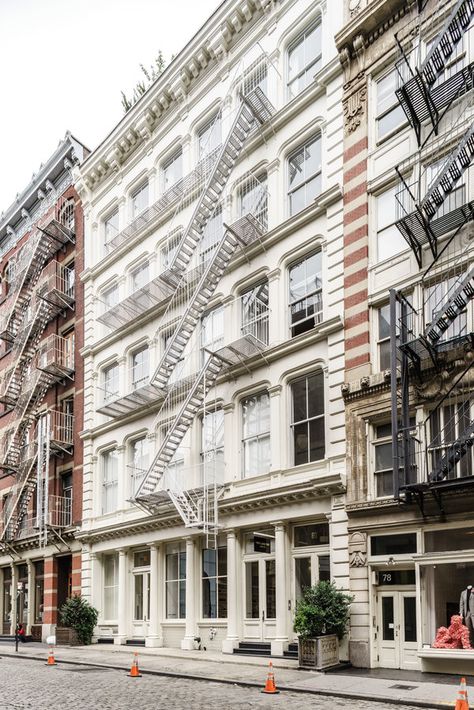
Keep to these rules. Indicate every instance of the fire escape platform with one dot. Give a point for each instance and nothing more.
(137, 304)
(142, 396)
(58, 232)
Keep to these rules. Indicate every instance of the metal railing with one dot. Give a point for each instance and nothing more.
(55, 355)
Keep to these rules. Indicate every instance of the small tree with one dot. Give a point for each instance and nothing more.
(323, 610)
(155, 70)
(76, 613)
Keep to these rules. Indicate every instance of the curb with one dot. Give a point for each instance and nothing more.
(251, 684)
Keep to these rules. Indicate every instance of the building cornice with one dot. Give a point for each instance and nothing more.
(369, 24)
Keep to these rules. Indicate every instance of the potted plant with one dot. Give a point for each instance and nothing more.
(321, 620)
(79, 619)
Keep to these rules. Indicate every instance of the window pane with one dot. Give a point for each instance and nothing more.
(209, 597)
(384, 484)
(308, 535)
(299, 400)
(317, 439)
(390, 121)
(384, 322)
(251, 591)
(302, 575)
(270, 585)
(209, 563)
(172, 601)
(222, 560)
(300, 438)
(172, 566)
(409, 618)
(315, 394)
(388, 626)
(383, 456)
(222, 597)
(386, 208)
(324, 568)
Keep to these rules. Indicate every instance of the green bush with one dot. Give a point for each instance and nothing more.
(323, 610)
(76, 613)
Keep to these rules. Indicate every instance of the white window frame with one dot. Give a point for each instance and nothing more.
(389, 231)
(138, 461)
(213, 129)
(260, 437)
(172, 162)
(110, 383)
(308, 419)
(105, 297)
(308, 179)
(135, 209)
(114, 586)
(140, 371)
(258, 204)
(255, 312)
(179, 580)
(110, 230)
(311, 67)
(143, 268)
(387, 108)
(216, 339)
(110, 477)
(316, 293)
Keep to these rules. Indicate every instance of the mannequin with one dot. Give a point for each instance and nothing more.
(466, 610)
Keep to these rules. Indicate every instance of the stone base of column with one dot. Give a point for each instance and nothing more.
(229, 644)
(187, 644)
(154, 642)
(47, 630)
(278, 646)
(119, 640)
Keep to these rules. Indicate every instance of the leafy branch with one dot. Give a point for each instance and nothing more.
(151, 74)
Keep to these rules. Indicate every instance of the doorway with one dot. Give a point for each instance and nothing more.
(260, 599)
(397, 630)
(141, 604)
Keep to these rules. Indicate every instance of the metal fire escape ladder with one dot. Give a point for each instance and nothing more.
(18, 505)
(449, 311)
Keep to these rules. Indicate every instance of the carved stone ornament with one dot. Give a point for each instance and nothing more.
(358, 549)
(354, 109)
(355, 7)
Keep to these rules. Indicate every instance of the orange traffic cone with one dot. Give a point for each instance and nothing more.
(461, 702)
(51, 661)
(134, 672)
(270, 686)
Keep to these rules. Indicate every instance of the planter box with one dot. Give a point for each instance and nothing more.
(319, 653)
(66, 637)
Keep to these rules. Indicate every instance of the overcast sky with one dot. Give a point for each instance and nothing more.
(63, 65)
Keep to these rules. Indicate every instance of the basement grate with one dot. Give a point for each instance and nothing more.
(399, 686)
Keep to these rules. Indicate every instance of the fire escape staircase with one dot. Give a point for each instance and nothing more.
(255, 107)
(419, 97)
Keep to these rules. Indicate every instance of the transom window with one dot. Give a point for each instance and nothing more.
(306, 294)
(109, 481)
(256, 450)
(308, 418)
(255, 312)
(389, 113)
(175, 583)
(214, 583)
(139, 200)
(304, 183)
(304, 59)
(209, 136)
(173, 170)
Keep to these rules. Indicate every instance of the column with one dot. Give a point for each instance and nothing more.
(280, 642)
(30, 618)
(14, 594)
(232, 640)
(187, 644)
(155, 638)
(122, 596)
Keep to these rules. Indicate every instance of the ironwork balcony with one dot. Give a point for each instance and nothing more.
(56, 287)
(59, 515)
(141, 393)
(58, 232)
(55, 355)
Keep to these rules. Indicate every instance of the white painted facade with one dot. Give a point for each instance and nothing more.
(138, 595)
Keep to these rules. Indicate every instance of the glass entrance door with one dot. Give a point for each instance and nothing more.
(260, 599)
(141, 603)
(396, 630)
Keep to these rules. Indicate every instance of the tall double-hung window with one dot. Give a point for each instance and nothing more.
(304, 178)
(304, 59)
(306, 294)
(307, 424)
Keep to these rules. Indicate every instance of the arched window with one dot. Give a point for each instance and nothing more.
(66, 215)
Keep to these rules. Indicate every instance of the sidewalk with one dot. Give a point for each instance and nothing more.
(397, 687)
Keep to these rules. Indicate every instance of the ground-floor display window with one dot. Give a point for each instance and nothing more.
(214, 583)
(39, 592)
(110, 567)
(176, 580)
(311, 556)
(447, 591)
(7, 599)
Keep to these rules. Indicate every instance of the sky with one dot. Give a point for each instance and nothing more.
(63, 65)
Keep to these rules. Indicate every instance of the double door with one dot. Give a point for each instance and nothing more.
(397, 630)
(260, 599)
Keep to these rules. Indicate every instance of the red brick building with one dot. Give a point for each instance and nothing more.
(41, 395)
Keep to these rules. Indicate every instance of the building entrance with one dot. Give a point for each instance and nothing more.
(260, 600)
(396, 630)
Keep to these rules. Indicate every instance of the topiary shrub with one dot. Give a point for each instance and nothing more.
(323, 610)
(76, 613)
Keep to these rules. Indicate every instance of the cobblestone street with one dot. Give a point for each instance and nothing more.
(29, 684)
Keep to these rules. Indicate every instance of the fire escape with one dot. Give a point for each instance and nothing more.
(191, 291)
(40, 289)
(431, 340)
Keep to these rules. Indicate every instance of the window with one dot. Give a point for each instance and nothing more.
(383, 342)
(389, 113)
(211, 234)
(172, 170)
(168, 251)
(258, 78)
(453, 63)
(304, 182)
(67, 346)
(212, 331)
(175, 583)
(304, 59)
(139, 277)
(452, 199)
(110, 380)
(109, 481)
(308, 418)
(255, 312)
(111, 228)
(306, 294)
(256, 450)
(139, 200)
(69, 275)
(436, 297)
(140, 368)
(111, 579)
(66, 216)
(404, 544)
(214, 583)
(253, 199)
(212, 436)
(110, 297)
(447, 424)
(312, 534)
(389, 238)
(383, 460)
(209, 136)
(138, 462)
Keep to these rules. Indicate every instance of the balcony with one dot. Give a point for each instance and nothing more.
(55, 356)
(141, 394)
(56, 287)
(57, 232)
(58, 427)
(177, 193)
(59, 515)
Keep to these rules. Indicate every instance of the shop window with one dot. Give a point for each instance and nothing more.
(111, 579)
(39, 592)
(304, 175)
(214, 583)
(314, 534)
(403, 544)
(139, 277)
(172, 170)
(443, 585)
(253, 199)
(111, 225)
(7, 598)
(308, 418)
(389, 113)
(304, 59)
(389, 239)
(255, 313)
(446, 539)
(256, 452)
(209, 136)
(306, 294)
(140, 200)
(175, 583)
(109, 481)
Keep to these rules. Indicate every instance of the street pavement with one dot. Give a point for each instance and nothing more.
(29, 684)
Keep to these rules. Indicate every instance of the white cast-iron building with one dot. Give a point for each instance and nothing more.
(214, 442)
